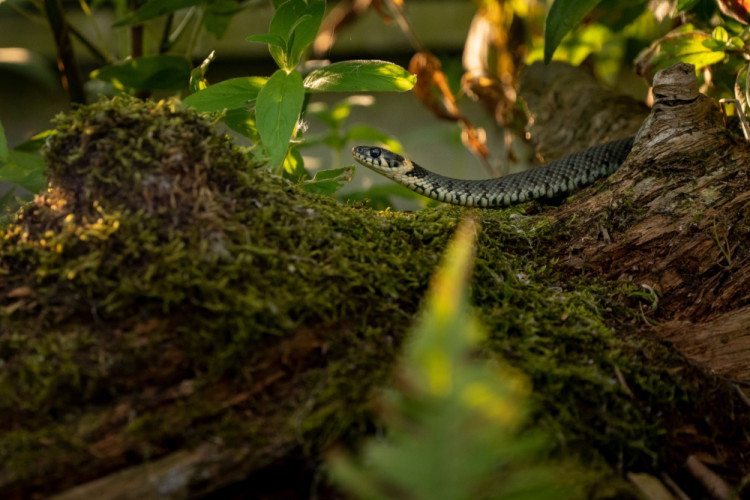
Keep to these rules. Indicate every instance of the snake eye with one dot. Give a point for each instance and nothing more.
(375, 152)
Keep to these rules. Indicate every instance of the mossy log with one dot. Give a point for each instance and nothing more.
(177, 321)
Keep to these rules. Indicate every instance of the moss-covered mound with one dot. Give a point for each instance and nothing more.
(164, 274)
(165, 292)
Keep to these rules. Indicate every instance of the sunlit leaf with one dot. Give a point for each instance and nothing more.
(579, 45)
(277, 110)
(35, 143)
(720, 34)
(327, 182)
(242, 121)
(229, 94)
(360, 76)
(162, 72)
(563, 16)
(294, 166)
(694, 47)
(155, 8)
(297, 22)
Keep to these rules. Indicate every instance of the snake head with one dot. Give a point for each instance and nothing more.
(379, 159)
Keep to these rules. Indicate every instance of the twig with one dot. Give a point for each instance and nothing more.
(623, 383)
(727, 253)
(742, 395)
(715, 486)
(164, 44)
(194, 36)
(180, 29)
(98, 54)
(674, 487)
(648, 322)
(403, 22)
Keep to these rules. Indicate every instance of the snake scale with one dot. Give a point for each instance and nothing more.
(554, 180)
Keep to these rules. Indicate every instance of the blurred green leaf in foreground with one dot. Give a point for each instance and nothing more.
(454, 425)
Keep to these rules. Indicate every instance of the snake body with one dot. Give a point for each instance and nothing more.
(554, 180)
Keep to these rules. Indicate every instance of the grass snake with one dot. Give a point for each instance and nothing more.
(555, 179)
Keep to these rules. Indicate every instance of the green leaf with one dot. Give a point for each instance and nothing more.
(270, 39)
(162, 72)
(297, 22)
(327, 182)
(563, 16)
(735, 43)
(683, 5)
(24, 169)
(229, 94)
(242, 121)
(720, 34)
(154, 9)
(218, 16)
(690, 47)
(619, 14)
(34, 144)
(277, 110)
(3, 145)
(577, 46)
(360, 76)
(294, 166)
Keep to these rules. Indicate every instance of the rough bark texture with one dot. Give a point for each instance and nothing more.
(570, 110)
(675, 218)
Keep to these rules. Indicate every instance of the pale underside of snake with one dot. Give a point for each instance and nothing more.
(553, 180)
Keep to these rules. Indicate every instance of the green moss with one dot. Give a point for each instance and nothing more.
(160, 255)
(165, 291)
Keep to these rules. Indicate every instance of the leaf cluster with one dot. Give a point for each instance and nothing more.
(268, 110)
(713, 36)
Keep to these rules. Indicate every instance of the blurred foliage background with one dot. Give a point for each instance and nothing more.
(463, 117)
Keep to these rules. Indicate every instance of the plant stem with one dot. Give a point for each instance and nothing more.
(66, 60)
(180, 29)
(136, 45)
(194, 35)
(165, 44)
(98, 54)
(136, 34)
(102, 54)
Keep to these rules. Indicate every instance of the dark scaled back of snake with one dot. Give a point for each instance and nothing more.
(556, 179)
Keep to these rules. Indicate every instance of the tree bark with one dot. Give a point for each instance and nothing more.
(673, 219)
